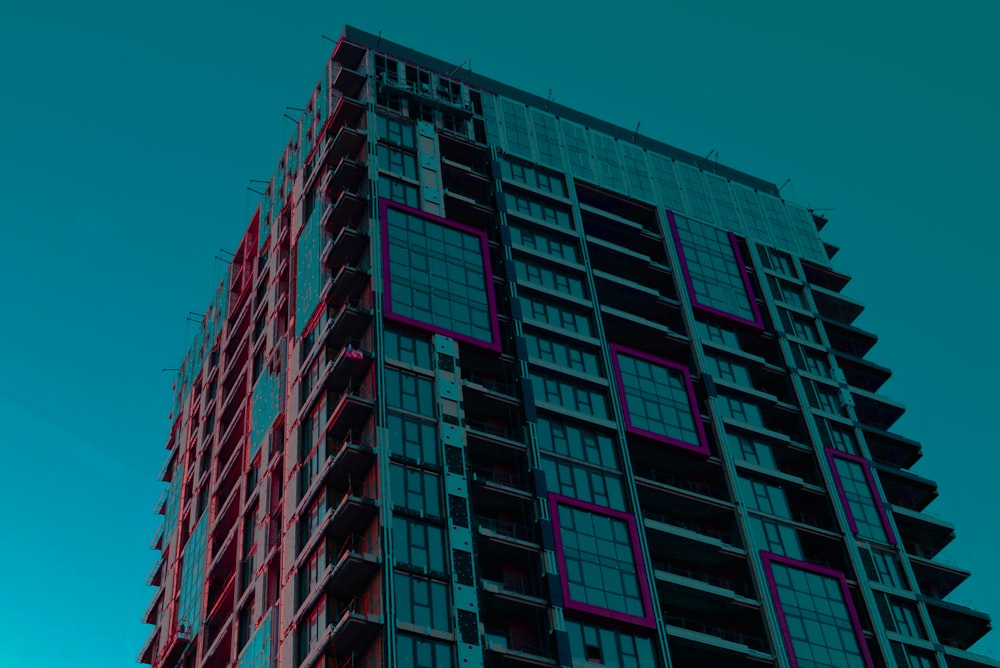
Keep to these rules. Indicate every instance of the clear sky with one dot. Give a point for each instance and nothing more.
(128, 133)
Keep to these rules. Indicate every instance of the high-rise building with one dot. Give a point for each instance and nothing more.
(491, 382)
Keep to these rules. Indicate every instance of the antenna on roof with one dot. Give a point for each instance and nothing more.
(703, 160)
(165, 369)
(549, 100)
(457, 68)
(787, 181)
(223, 250)
(636, 135)
(332, 41)
(379, 40)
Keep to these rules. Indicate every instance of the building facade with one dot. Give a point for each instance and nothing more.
(491, 382)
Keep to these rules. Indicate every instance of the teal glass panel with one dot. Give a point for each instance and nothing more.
(192, 585)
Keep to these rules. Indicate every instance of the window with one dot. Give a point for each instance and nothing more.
(817, 616)
(636, 172)
(310, 630)
(778, 261)
(600, 566)
(774, 536)
(409, 392)
(416, 490)
(547, 138)
(584, 483)
(857, 493)
(608, 166)
(740, 410)
(799, 325)
(570, 396)
(538, 209)
(544, 243)
(419, 545)
(903, 617)
(751, 450)
(570, 356)
(439, 276)
(729, 370)
(764, 498)
(713, 270)
(413, 438)
(822, 397)
(396, 131)
(310, 574)
(422, 652)
(408, 348)
(398, 191)
(788, 292)
(887, 568)
(545, 276)
(718, 334)
(515, 121)
(578, 150)
(398, 162)
(532, 177)
(558, 316)
(570, 440)
(609, 647)
(811, 360)
(837, 436)
(422, 602)
(694, 190)
(658, 399)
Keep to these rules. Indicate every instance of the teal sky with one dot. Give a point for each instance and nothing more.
(128, 133)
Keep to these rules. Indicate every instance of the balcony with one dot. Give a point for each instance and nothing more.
(876, 410)
(355, 627)
(660, 339)
(178, 641)
(703, 644)
(485, 433)
(346, 175)
(848, 338)
(688, 537)
(825, 277)
(507, 534)
(348, 54)
(344, 247)
(862, 373)
(936, 578)
(836, 306)
(906, 489)
(346, 284)
(353, 511)
(352, 407)
(344, 211)
(350, 81)
(155, 577)
(957, 625)
(891, 449)
(507, 650)
(346, 323)
(498, 487)
(922, 528)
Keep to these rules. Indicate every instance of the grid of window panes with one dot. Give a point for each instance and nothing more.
(547, 137)
(310, 274)
(437, 275)
(656, 399)
(817, 618)
(515, 122)
(266, 403)
(614, 648)
(420, 651)
(710, 260)
(257, 653)
(193, 577)
(608, 166)
(599, 561)
(636, 173)
(864, 513)
(578, 149)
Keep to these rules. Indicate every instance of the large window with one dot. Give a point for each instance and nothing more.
(416, 490)
(438, 275)
(864, 509)
(570, 440)
(419, 545)
(817, 616)
(574, 356)
(599, 561)
(572, 396)
(583, 482)
(422, 602)
(421, 652)
(608, 647)
(658, 399)
(409, 392)
(413, 438)
(713, 270)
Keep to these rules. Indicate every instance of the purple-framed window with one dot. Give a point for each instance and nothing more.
(819, 623)
(600, 562)
(862, 503)
(714, 271)
(658, 399)
(437, 275)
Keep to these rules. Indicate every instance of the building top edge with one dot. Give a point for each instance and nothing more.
(370, 41)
